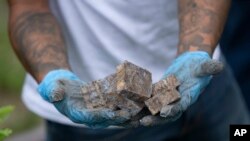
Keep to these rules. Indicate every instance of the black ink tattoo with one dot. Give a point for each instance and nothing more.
(39, 42)
(201, 24)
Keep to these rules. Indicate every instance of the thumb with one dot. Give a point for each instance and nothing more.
(210, 67)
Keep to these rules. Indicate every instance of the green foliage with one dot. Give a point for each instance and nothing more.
(4, 133)
(4, 113)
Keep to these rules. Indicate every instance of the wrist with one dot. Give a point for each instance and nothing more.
(41, 75)
(196, 43)
(50, 84)
(182, 49)
(59, 74)
(193, 55)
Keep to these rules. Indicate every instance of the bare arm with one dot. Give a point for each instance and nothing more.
(201, 24)
(36, 37)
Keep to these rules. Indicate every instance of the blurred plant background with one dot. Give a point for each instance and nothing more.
(4, 114)
(11, 79)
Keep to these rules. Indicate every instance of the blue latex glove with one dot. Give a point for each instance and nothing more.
(194, 71)
(62, 88)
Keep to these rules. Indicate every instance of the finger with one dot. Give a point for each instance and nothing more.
(173, 111)
(64, 87)
(118, 118)
(91, 118)
(134, 121)
(130, 124)
(50, 92)
(58, 92)
(72, 88)
(54, 93)
(95, 118)
(100, 118)
(151, 120)
(121, 116)
(211, 67)
(166, 110)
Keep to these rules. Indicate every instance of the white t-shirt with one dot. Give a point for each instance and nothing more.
(100, 34)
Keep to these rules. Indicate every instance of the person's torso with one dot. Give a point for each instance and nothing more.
(100, 34)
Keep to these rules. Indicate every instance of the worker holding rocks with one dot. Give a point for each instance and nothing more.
(79, 41)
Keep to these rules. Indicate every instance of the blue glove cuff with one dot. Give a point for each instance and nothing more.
(49, 82)
(200, 55)
(196, 53)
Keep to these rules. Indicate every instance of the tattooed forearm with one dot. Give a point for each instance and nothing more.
(201, 24)
(38, 42)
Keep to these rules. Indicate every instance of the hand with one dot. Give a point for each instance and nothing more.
(62, 88)
(194, 71)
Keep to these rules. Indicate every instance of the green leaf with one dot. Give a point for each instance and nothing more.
(5, 112)
(4, 133)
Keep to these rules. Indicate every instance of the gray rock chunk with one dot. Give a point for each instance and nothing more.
(164, 92)
(127, 89)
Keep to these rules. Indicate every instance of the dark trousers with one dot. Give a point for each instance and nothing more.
(235, 44)
(207, 120)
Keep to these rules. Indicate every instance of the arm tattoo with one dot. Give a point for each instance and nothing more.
(39, 43)
(201, 24)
